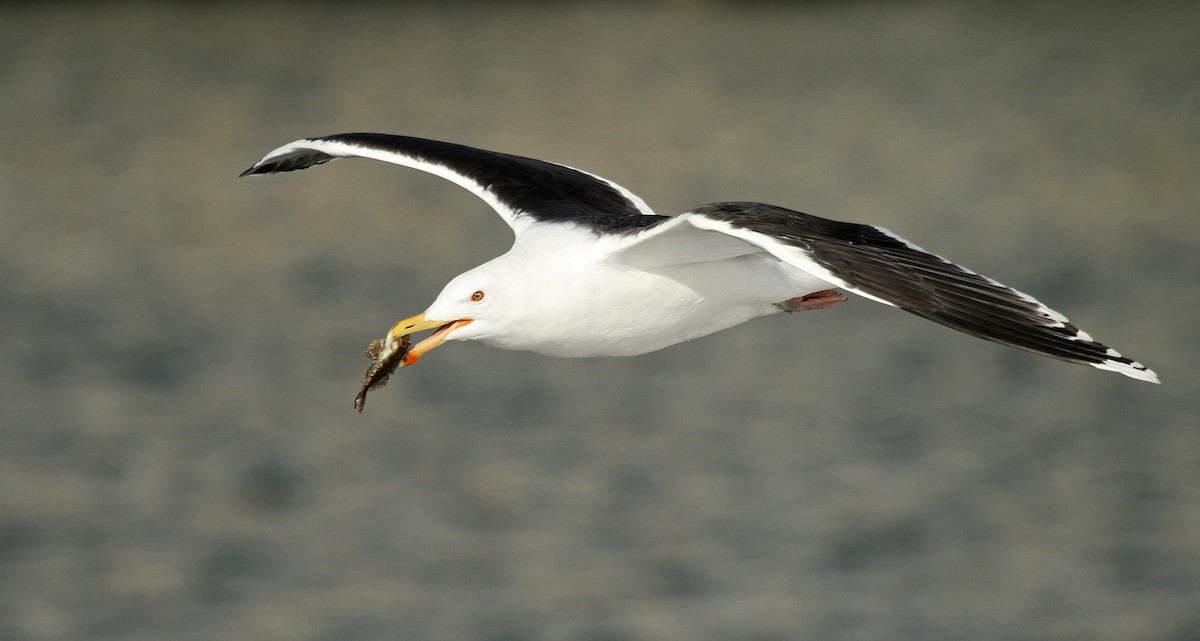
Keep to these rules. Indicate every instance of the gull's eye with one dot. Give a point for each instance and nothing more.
(477, 296)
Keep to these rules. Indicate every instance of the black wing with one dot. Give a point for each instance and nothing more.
(875, 263)
(522, 190)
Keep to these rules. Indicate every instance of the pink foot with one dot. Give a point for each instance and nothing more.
(823, 299)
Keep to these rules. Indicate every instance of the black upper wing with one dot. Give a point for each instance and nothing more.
(876, 263)
(520, 189)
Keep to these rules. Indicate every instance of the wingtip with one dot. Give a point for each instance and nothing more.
(1132, 369)
(301, 154)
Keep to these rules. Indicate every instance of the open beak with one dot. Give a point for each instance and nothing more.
(419, 323)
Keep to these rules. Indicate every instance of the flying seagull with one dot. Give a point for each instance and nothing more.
(595, 272)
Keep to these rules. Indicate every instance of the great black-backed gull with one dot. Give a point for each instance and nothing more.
(595, 272)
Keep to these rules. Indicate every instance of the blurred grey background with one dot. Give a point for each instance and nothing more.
(178, 454)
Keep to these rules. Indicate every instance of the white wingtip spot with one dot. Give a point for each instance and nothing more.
(1059, 318)
(1081, 335)
(1132, 369)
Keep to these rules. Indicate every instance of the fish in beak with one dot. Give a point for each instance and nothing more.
(396, 350)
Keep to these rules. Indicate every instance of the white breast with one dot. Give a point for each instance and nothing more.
(603, 309)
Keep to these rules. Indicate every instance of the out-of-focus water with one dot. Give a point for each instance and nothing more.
(178, 454)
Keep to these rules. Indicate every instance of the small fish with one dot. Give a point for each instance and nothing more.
(383, 362)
